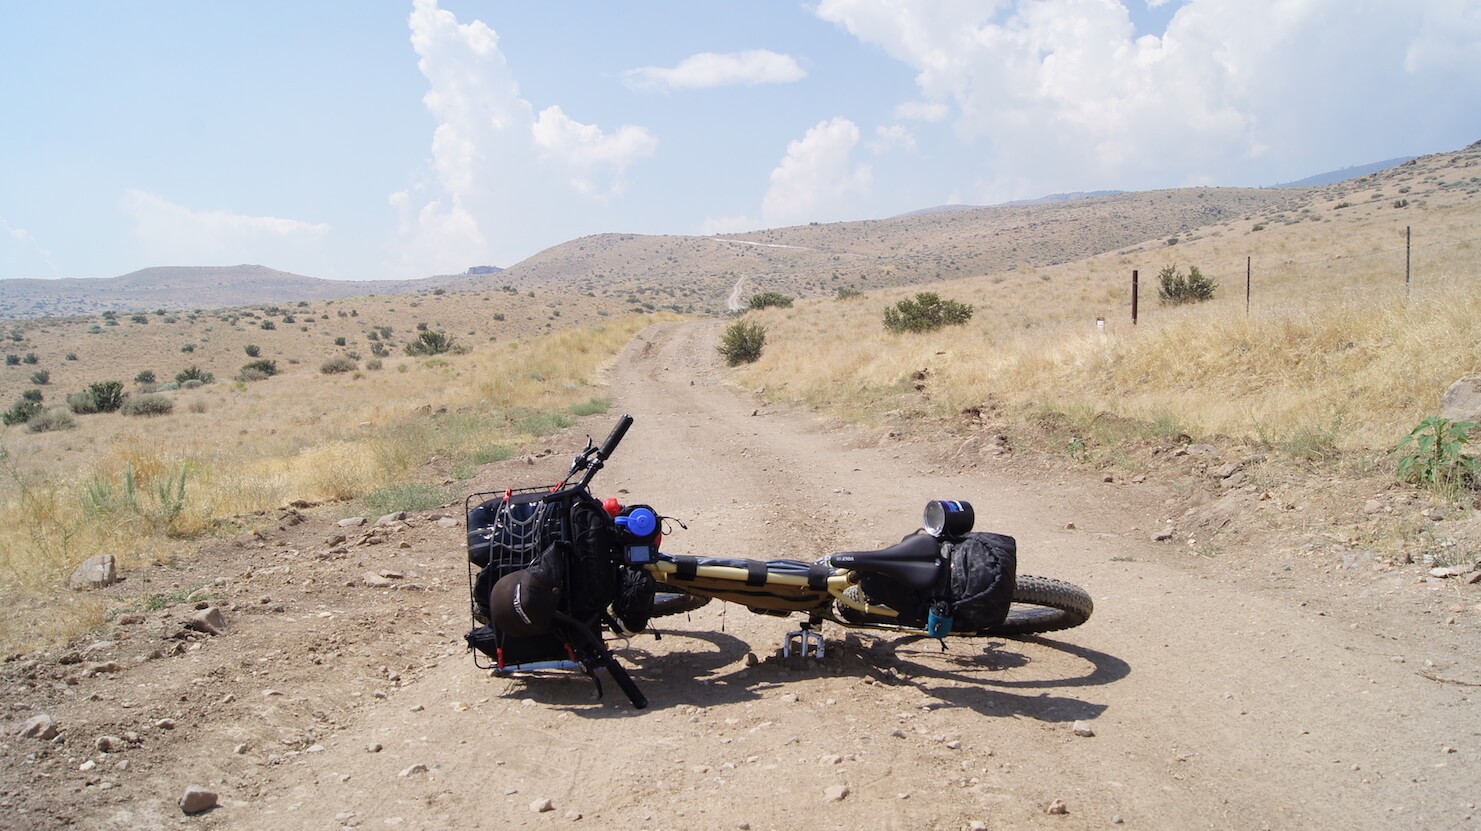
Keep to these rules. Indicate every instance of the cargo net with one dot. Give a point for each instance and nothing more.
(506, 531)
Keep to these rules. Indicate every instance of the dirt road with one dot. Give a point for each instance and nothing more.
(1218, 697)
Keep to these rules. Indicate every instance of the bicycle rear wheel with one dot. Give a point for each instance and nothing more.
(1042, 604)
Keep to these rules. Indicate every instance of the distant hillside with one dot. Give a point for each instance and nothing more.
(1334, 176)
(1053, 197)
(180, 287)
(695, 274)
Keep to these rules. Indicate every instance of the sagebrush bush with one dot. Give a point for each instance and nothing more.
(258, 370)
(339, 364)
(50, 420)
(253, 350)
(151, 404)
(145, 377)
(1175, 288)
(742, 342)
(40, 377)
(926, 312)
(107, 396)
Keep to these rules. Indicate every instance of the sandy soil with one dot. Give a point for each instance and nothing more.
(1258, 689)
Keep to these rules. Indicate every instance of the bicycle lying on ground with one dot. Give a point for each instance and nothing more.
(552, 570)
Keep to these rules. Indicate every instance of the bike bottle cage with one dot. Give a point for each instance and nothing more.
(915, 561)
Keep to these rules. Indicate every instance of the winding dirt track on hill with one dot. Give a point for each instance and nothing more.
(1214, 704)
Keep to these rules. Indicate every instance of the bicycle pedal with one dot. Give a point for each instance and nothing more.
(805, 637)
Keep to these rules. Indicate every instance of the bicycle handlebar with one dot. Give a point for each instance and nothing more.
(615, 437)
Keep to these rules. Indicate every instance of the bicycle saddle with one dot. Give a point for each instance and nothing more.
(914, 561)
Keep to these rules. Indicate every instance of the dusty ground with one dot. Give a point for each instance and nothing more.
(1272, 673)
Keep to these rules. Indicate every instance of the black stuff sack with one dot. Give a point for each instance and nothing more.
(984, 568)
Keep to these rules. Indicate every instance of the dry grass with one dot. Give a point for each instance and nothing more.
(300, 435)
(1332, 355)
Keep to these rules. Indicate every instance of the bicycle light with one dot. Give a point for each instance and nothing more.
(948, 518)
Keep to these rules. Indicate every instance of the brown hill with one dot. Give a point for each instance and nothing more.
(688, 273)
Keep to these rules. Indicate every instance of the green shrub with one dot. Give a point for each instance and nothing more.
(30, 358)
(1436, 455)
(258, 370)
(139, 318)
(194, 373)
(107, 396)
(22, 412)
(188, 348)
(339, 341)
(40, 377)
(592, 407)
(430, 343)
(848, 293)
(1175, 288)
(253, 350)
(373, 364)
(770, 298)
(742, 341)
(145, 377)
(51, 420)
(12, 360)
(339, 364)
(926, 312)
(32, 395)
(269, 325)
(71, 356)
(151, 404)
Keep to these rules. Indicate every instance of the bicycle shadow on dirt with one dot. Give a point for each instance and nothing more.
(670, 673)
(986, 676)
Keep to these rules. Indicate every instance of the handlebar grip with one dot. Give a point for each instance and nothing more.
(615, 437)
(625, 681)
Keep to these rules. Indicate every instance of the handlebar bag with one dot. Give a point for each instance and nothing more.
(983, 570)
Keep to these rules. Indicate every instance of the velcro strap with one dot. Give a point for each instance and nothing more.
(755, 573)
(817, 576)
(687, 567)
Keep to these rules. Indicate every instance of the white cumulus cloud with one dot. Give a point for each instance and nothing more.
(709, 69)
(1062, 94)
(817, 180)
(169, 233)
(500, 171)
(21, 255)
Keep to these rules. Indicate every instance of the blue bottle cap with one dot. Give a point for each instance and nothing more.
(642, 522)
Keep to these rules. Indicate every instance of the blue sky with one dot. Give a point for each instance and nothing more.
(372, 139)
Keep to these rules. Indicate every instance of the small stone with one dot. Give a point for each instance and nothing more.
(447, 522)
(1162, 536)
(1057, 807)
(376, 581)
(1069, 526)
(94, 573)
(398, 516)
(540, 806)
(953, 745)
(38, 727)
(197, 800)
(830, 759)
(165, 724)
(897, 733)
(1372, 506)
(1117, 820)
(412, 769)
(108, 744)
(1083, 728)
(976, 825)
(240, 749)
(835, 793)
(751, 659)
(352, 522)
(373, 747)
(87, 766)
(573, 816)
(130, 620)
(210, 621)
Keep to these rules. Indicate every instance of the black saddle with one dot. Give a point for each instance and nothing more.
(914, 561)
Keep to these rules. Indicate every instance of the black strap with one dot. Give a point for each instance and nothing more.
(755, 573)
(817, 576)
(687, 567)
